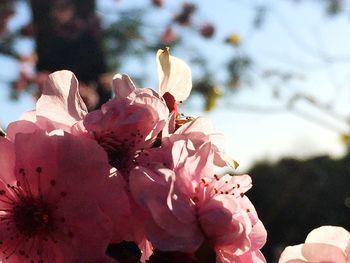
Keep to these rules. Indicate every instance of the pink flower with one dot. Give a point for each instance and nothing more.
(124, 125)
(200, 206)
(198, 131)
(329, 244)
(127, 124)
(53, 201)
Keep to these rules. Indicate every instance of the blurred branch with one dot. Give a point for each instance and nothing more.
(7, 45)
(325, 108)
(298, 112)
(257, 109)
(295, 37)
(316, 120)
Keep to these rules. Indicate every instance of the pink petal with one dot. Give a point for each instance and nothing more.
(163, 240)
(316, 252)
(251, 257)
(146, 250)
(62, 171)
(224, 256)
(258, 236)
(169, 126)
(179, 153)
(199, 132)
(60, 100)
(152, 192)
(22, 126)
(7, 161)
(165, 230)
(88, 243)
(216, 220)
(117, 207)
(182, 208)
(123, 85)
(201, 163)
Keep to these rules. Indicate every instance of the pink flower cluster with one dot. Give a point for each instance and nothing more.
(72, 182)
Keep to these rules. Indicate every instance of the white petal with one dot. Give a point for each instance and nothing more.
(174, 76)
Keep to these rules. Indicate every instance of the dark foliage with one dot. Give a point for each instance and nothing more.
(293, 197)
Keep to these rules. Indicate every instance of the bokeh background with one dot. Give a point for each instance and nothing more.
(272, 75)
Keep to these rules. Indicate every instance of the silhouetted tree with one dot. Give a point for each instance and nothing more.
(293, 197)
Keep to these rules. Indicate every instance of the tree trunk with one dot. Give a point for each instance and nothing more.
(68, 36)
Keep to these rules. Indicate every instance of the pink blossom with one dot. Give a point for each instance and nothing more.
(53, 202)
(200, 206)
(168, 36)
(123, 126)
(127, 124)
(198, 131)
(329, 244)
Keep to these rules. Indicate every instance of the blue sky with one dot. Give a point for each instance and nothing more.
(294, 38)
(291, 39)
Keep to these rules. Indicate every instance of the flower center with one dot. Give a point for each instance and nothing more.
(120, 150)
(118, 157)
(33, 216)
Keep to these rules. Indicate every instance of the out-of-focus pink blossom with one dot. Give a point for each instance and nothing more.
(329, 244)
(26, 72)
(200, 206)
(184, 18)
(53, 202)
(157, 3)
(168, 36)
(207, 30)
